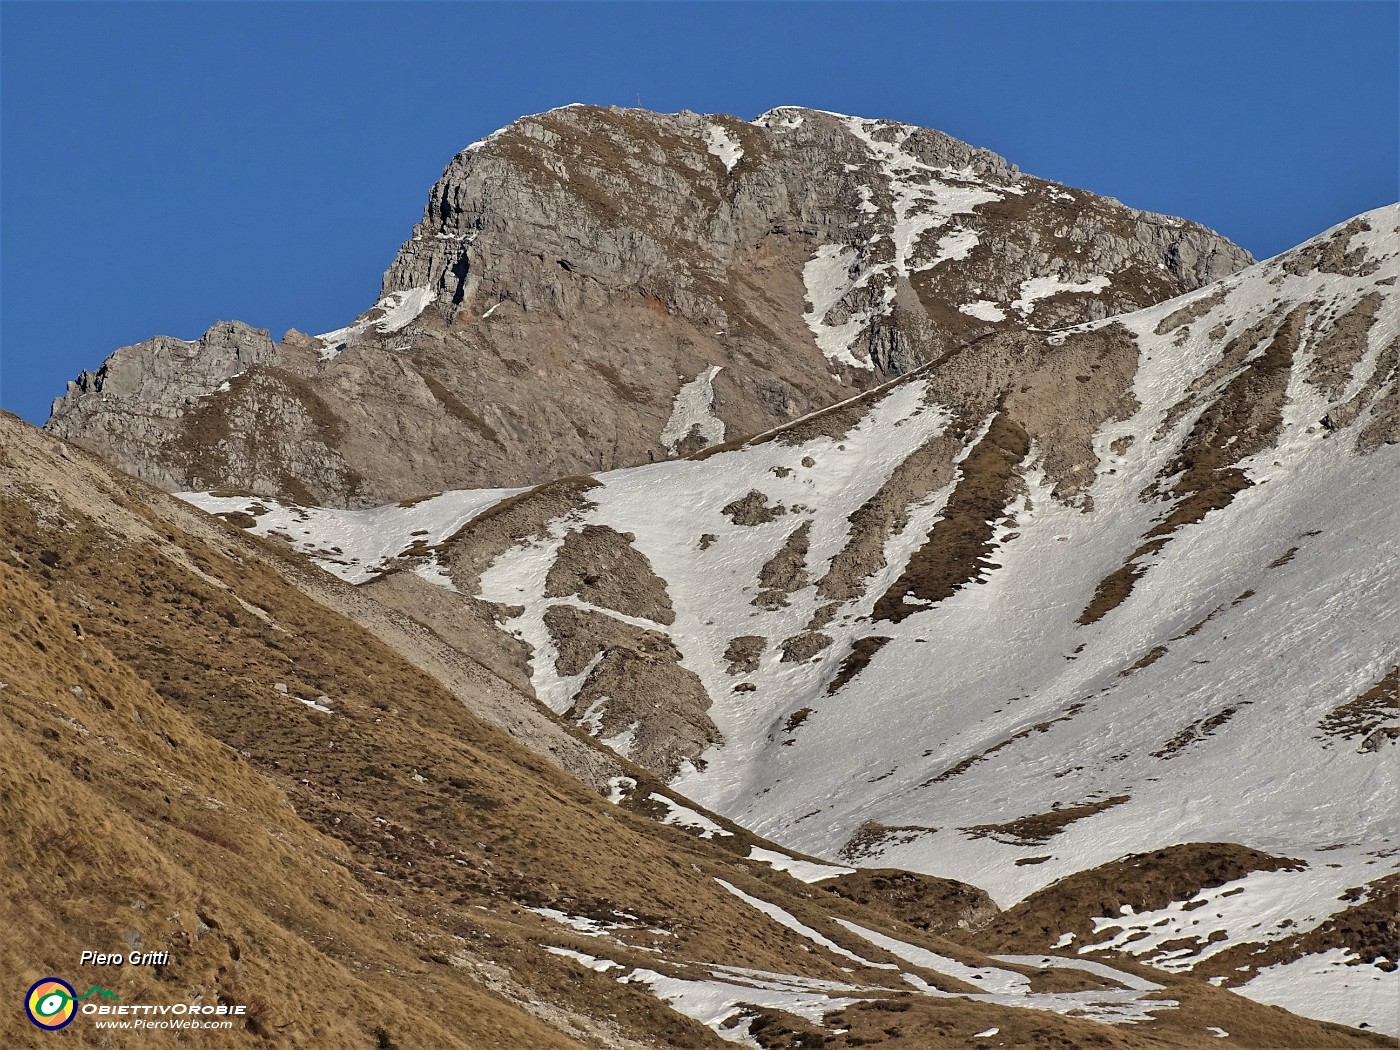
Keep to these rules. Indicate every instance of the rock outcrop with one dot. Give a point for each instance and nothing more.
(592, 288)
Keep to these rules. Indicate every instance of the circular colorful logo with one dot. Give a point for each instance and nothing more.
(49, 1003)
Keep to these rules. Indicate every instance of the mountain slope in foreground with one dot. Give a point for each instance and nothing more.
(203, 756)
(1101, 620)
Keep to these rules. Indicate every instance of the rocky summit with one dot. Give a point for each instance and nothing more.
(793, 582)
(597, 288)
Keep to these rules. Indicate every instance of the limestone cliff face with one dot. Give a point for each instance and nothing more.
(592, 288)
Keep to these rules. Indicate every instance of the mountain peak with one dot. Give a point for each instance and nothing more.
(593, 287)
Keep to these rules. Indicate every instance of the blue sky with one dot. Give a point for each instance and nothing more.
(168, 165)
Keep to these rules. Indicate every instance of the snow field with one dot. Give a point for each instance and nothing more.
(355, 544)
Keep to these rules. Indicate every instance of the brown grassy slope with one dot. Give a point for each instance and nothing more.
(394, 840)
(126, 828)
(483, 814)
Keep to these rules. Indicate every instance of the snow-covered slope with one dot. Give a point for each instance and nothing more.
(357, 545)
(1046, 602)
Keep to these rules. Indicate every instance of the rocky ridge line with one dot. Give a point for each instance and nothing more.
(575, 272)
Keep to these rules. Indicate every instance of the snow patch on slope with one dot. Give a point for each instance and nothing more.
(955, 245)
(829, 278)
(1017, 637)
(685, 817)
(1005, 982)
(1324, 986)
(805, 870)
(785, 918)
(399, 310)
(983, 310)
(1037, 288)
(356, 544)
(780, 118)
(1129, 1004)
(996, 704)
(923, 199)
(717, 1004)
(722, 145)
(693, 410)
(1261, 907)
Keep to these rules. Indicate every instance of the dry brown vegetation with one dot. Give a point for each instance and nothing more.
(922, 901)
(957, 549)
(124, 824)
(872, 838)
(971, 760)
(1197, 308)
(1368, 712)
(1039, 828)
(786, 571)
(803, 646)
(1198, 730)
(753, 509)
(863, 650)
(637, 684)
(1331, 255)
(602, 567)
(1369, 929)
(744, 653)
(887, 512)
